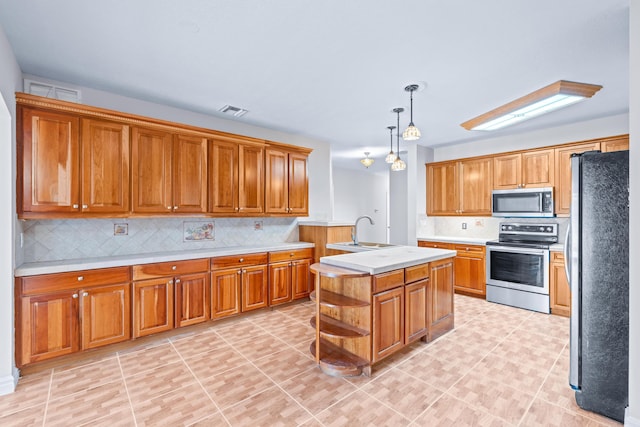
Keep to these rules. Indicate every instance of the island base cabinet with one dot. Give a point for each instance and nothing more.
(192, 299)
(388, 323)
(415, 306)
(49, 326)
(105, 315)
(440, 316)
(152, 306)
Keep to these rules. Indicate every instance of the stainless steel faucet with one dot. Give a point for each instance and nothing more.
(354, 229)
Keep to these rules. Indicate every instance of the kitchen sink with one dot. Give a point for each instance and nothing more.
(371, 245)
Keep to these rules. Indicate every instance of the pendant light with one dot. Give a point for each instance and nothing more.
(367, 161)
(391, 157)
(412, 133)
(398, 164)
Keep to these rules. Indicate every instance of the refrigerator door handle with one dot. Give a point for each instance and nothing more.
(573, 252)
(567, 254)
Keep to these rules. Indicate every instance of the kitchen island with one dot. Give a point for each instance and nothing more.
(371, 304)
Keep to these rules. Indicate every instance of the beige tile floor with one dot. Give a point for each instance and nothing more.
(501, 366)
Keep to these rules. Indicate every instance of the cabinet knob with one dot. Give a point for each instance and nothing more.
(244, 271)
(74, 296)
(240, 208)
(241, 260)
(85, 206)
(236, 209)
(85, 294)
(75, 206)
(239, 271)
(177, 281)
(173, 267)
(466, 249)
(291, 254)
(170, 282)
(80, 278)
(175, 208)
(169, 207)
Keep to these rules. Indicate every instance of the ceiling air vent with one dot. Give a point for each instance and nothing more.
(234, 111)
(51, 91)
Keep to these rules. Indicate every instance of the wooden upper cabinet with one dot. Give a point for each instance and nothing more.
(189, 174)
(442, 189)
(562, 192)
(529, 169)
(460, 187)
(618, 143)
(169, 172)
(250, 178)
(476, 183)
(286, 182)
(50, 163)
(151, 171)
(105, 166)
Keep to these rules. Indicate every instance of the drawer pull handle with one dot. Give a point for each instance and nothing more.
(80, 278)
(241, 260)
(173, 267)
(291, 254)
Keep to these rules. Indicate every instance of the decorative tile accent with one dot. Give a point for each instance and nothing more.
(52, 240)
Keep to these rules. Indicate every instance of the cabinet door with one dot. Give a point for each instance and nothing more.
(279, 283)
(562, 192)
(476, 183)
(559, 286)
(225, 292)
(192, 299)
(470, 270)
(151, 171)
(440, 298)
(48, 326)
(276, 181)
(442, 189)
(255, 287)
(615, 144)
(507, 171)
(105, 166)
(223, 177)
(152, 306)
(189, 174)
(298, 185)
(300, 278)
(251, 179)
(50, 174)
(388, 322)
(538, 168)
(106, 315)
(415, 314)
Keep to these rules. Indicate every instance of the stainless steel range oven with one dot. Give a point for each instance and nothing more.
(518, 265)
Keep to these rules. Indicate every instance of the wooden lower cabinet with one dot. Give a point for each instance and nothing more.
(301, 284)
(415, 310)
(388, 322)
(62, 313)
(192, 299)
(440, 315)
(225, 292)
(239, 283)
(289, 275)
(279, 283)
(559, 286)
(470, 268)
(152, 306)
(255, 287)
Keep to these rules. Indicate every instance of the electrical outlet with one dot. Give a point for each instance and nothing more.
(257, 225)
(464, 225)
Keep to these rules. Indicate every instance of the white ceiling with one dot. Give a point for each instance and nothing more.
(333, 69)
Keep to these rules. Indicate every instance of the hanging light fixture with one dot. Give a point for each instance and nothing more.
(412, 133)
(367, 161)
(398, 164)
(391, 157)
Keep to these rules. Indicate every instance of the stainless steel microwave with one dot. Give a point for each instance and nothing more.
(523, 202)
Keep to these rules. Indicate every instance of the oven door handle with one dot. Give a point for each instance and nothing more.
(567, 254)
(518, 250)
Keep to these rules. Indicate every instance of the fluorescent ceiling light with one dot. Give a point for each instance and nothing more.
(549, 98)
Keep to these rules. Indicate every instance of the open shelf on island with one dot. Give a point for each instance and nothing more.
(336, 328)
(332, 299)
(338, 362)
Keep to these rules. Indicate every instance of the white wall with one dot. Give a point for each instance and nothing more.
(9, 83)
(359, 193)
(399, 206)
(319, 160)
(597, 128)
(633, 414)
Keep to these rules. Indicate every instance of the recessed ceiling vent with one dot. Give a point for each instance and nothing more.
(234, 111)
(51, 91)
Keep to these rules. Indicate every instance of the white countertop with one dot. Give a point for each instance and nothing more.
(387, 259)
(350, 247)
(455, 239)
(326, 223)
(48, 267)
(558, 247)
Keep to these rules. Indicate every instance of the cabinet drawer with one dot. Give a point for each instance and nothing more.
(389, 280)
(290, 255)
(238, 260)
(175, 268)
(557, 257)
(437, 245)
(45, 283)
(476, 250)
(416, 272)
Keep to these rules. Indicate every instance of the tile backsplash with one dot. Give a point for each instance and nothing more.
(53, 240)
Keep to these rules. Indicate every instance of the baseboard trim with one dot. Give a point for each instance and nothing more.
(8, 383)
(630, 421)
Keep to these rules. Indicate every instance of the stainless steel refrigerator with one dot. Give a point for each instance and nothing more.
(597, 260)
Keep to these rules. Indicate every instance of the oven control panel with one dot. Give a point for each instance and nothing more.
(528, 232)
